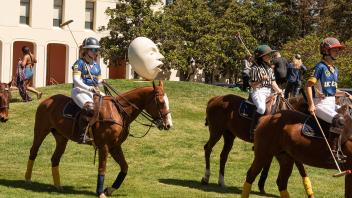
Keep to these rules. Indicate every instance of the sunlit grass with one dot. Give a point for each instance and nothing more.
(162, 164)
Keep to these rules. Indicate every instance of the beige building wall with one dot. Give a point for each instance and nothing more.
(41, 32)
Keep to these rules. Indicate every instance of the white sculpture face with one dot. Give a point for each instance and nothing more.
(144, 57)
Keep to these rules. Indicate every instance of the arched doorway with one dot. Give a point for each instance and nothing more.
(17, 53)
(56, 63)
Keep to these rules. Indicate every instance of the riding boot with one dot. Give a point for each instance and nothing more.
(337, 128)
(83, 123)
(254, 124)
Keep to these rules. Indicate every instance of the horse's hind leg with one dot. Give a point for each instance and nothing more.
(39, 135)
(228, 143)
(286, 166)
(306, 181)
(263, 177)
(117, 154)
(61, 143)
(214, 137)
(260, 160)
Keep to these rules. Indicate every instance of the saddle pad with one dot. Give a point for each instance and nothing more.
(311, 129)
(247, 109)
(71, 110)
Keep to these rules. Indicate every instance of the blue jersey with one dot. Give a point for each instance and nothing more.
(327, 77)
(81, 68)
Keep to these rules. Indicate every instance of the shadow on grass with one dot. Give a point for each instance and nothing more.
(208, 188)
(40, 187)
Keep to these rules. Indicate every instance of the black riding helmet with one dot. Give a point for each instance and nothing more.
(91, 43)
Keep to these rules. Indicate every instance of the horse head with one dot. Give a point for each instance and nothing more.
(159, 108)
(5, 97)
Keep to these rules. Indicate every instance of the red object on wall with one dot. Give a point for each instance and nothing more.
(56, 64)
(119, 71)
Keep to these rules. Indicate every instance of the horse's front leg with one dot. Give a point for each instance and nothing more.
(103, 154)
(117, 153)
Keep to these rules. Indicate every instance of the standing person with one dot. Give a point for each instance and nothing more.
(280, 69)
(86, 75)
(262, 81)
(26, 64)
(247, 62)
(321, 87)
(295, 71)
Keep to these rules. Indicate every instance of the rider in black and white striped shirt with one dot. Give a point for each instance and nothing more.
(262, 81)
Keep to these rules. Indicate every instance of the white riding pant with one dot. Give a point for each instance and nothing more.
(326, 108)
(81, 96)
(259, 96)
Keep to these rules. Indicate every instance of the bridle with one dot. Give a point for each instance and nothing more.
(6, 107)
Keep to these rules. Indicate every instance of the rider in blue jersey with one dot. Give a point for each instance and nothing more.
(86, 78)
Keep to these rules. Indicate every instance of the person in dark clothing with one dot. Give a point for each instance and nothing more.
(280, 69)
(295, 71)
(247, 62)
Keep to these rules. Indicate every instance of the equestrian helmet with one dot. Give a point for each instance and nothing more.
(329, 43)
(91, 43)
(263, 50)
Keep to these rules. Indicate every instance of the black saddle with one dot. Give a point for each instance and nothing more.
(311, 129)
(247, 109)
(71, 110)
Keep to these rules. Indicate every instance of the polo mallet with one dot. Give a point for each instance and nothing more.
(69, 29)
(238, 37)
(340, 173)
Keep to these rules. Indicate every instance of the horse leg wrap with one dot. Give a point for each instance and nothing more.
(28, 174)
(284, 194)
(246, 190)
(308, 186)
(100, 184)
(56, 176)
(119, 180)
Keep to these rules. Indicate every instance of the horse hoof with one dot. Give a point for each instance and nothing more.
(310, 196)
(204, 181)
(102, 195)
(59, 188)
(262, 191)
(28, 181)
(108, 191)
(222, 185)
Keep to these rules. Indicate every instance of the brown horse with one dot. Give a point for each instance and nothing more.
(5, 97)
(223, 119)
(109, 130)
(280, 135)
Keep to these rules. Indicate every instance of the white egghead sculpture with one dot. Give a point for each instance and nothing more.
(144, 57)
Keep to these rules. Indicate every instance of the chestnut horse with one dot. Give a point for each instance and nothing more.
(110, 129)
(5, 97)
(223, 119)
(280, 135)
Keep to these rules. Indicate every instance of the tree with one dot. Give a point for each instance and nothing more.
(128, 20)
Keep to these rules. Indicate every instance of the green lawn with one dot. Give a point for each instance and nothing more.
(162, 164)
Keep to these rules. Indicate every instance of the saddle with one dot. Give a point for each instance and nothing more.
(248, 108)
(71, 110)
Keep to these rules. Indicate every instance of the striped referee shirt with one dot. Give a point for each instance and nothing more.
(258, 73)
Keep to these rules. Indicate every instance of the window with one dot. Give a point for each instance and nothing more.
(89, 15)
(24, 12)
(57, 18)
(169, 2)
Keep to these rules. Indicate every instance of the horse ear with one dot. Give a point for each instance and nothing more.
(153, 84)
(161, 84)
